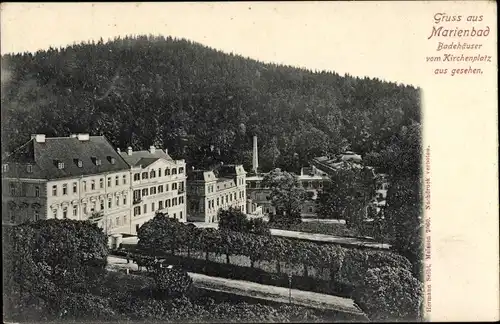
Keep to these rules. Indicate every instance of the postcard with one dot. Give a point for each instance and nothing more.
(292, 161)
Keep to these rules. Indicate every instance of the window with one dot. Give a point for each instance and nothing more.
(85, 209)
(175, 216)
(117, 181)
(137, 194)
(75, 186)
(37, 191)
(144, 175)
(54, 213)
(145, 209)
(5, 167)
(152, 206)
(112, 160)
(152, 190)
(137, 177)
(160, 189)
(174, 171)
(310, 209)
(160, 204)
(54, 190)
(124, 179)
(144, 192)
(152, 174)
(65, 189)
(174, 186)
(109, 202)
(109, 182)
(181, 200)
(117, 221)
(167, 171)
(75, 211)
(85, 186)
(137, 228)
(65, 212)
(137, 211)
(181, 186)
(159, 172)
(166, 187)
(174, 202)
(102, 204)
(167, 203)
(92, 207)
(92, 185)
(217, 202)
(181, 170)
(124, 219)
(117, 201)
(29, 168)
(180, 216)
(125, 200)
(60, 165)
(80, 163)
(36, 215)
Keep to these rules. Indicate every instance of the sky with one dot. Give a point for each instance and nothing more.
(362, 39)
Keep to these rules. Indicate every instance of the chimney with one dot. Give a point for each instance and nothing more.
(255, 160)
(118, 150)
(83, 137)
(166, 150)
(129, 150)
(152, 149)
(73, 136)
(39, 138)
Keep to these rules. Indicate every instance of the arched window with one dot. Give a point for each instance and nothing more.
(167, 171)
(152, 174)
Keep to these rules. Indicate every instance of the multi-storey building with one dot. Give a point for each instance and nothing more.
(79, 177)
(208, 192)
(158, 185)
(312, 179)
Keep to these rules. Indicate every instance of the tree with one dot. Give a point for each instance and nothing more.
(351, 189)
(232, 219)
(235, 220)
(161, 234)
(50, 258)
(287, 195)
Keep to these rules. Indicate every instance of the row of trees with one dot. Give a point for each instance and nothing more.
(163, 235)
(54, 271)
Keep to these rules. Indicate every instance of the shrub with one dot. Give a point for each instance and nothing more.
(172, 283)
(390, 294)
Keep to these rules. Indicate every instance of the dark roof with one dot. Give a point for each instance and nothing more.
(44, 158)
(144, 158)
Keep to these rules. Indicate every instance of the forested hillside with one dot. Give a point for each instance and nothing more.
(204, 105)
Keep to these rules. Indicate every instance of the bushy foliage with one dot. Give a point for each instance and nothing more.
(172, 282)
(390, 294)
(49, 259)
(235, 220)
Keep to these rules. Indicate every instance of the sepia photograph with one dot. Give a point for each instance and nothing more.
(210, 162)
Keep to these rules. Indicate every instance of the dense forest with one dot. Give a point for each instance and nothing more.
(202, 104)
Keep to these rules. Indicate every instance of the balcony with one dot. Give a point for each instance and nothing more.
(136, 201)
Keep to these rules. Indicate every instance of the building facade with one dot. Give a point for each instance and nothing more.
(312, 180)
(79, 177)
(210, 191)
(158, 184)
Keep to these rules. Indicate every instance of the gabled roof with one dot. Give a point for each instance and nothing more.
(96, 156)
(145, 158)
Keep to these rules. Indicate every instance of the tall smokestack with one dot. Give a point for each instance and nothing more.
(255, 160)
